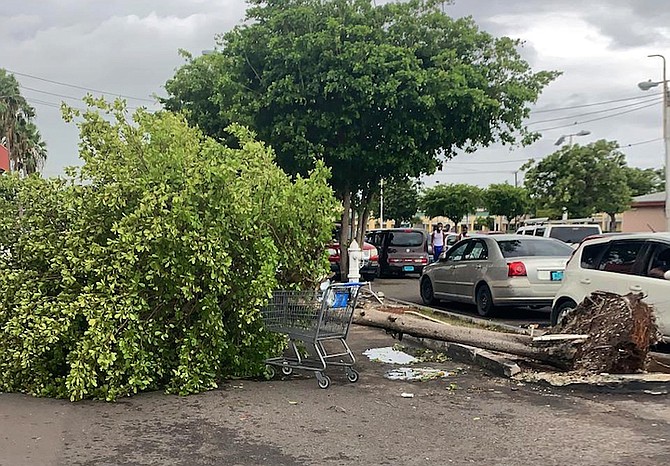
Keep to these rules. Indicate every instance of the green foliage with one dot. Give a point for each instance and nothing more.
(506, 200)
(377, 92)
(453, 201)
(583, 179)
(401, 201)
(645, 181)
(485, 222)
(146, 268)
(27, 149)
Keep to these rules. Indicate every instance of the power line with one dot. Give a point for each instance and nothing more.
(593, 104)
(654, 99)
(598, 119)
(49, 93)
(74, 86)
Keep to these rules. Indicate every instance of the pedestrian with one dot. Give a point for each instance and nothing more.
(437, 240)
(464, 232)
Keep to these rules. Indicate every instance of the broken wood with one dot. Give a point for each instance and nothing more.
(559, 354)
(621, 331)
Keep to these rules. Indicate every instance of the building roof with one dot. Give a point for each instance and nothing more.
(654, 197)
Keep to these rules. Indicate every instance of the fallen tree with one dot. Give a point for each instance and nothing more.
(606, 333)
(559, 355)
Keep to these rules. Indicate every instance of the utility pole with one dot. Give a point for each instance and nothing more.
(516, 180)
(381, 203)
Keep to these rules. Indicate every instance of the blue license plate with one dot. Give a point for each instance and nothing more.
(557, 276)
(408, 268)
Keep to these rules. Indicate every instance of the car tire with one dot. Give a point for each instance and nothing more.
(369, 277)
(558, 311)
(427, 292)
(484, 301)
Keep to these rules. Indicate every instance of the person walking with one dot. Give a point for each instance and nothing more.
(464, 232)
(437, 240)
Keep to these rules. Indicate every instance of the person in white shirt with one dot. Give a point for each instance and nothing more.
(437, 240)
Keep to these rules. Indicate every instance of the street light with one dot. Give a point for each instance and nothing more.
(645, 86)
(561, 140)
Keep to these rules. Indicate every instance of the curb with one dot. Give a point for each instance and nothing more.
(494, 363)
(472, 320)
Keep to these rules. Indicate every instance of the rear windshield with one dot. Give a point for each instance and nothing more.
(406, 238)
(533, 247)
(573, 234)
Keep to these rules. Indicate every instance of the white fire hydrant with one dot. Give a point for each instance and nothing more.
(355, 258)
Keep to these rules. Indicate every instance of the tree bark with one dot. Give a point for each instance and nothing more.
(363, 217)
(558, 354)
(612, 222)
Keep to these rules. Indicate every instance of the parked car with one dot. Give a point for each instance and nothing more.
(621, 264)
(498, 270)
(369, 266)
(401, 250)
(571, 233)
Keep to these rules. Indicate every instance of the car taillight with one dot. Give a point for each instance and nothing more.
(423, 260)
(516, 269)
(374, 255)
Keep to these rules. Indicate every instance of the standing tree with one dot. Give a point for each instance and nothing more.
(581, 179)
(506, 200)
(401, 201)
(27, 151)
(376, 92)
(453, 201)
(645, 181)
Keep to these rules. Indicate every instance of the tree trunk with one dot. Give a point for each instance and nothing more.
(363, 217)
(396, 223)
(344, 235)
(612, 222)
(559, 355)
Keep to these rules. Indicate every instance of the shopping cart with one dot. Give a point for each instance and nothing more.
(313, 317)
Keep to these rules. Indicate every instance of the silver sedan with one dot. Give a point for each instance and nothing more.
(501, 270)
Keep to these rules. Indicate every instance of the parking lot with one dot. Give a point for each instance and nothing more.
(407, 289)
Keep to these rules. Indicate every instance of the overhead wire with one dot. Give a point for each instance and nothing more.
(654, 99)
(594, 104)
(84, 88)
(598, 119)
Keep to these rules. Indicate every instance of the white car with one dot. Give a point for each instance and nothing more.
(571, 233)
(620, 264)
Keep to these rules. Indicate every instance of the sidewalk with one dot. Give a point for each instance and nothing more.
(467, 418)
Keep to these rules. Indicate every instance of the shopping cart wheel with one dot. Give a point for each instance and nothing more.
(323, 380)
(286, 370)
(352, 375)
(269, 371)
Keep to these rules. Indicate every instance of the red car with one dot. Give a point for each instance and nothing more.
(370, 263)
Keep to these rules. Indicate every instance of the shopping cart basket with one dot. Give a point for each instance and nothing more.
(313, 318)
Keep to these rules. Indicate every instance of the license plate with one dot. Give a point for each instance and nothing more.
(557, 276)
(408, 268)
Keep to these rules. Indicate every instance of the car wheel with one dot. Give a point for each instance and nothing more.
(426, 289)
(484, 300)
(561, 310)
(369, 277)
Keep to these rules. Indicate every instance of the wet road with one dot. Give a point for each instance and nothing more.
(407, 289)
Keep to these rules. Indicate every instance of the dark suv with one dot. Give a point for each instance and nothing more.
(401, 250)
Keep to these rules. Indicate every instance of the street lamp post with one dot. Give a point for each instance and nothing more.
(561, 140)
(645, 86)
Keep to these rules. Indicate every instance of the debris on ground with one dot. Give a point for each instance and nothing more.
(620, 329)
(413, 374)
(407, 395)
(389, 355)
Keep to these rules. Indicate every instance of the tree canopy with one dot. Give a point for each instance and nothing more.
(376, 92)
(581, 179)
(453, 201)
(645, 180)
(26, 148)
(506, 200)
(146, 269)
(401, 201)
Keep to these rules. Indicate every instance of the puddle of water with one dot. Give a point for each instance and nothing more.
(415, 374)
(389, 355)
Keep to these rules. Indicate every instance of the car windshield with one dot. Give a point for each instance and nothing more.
(533, 247)
(406, 238)
(573, 234)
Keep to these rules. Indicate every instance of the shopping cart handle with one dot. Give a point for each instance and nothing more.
(350, 284)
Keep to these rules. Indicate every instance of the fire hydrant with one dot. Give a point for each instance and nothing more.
(355, 258)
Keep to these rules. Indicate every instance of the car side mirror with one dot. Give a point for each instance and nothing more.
(666, 275)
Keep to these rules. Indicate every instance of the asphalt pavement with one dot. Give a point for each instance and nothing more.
(468, 417)
(407, 289)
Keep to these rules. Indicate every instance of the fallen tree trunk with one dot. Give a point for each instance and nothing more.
(559, 355)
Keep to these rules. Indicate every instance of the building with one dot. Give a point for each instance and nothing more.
(646, 213)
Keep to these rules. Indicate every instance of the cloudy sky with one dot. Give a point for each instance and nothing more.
(129, 48)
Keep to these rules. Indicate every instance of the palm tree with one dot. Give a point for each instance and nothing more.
(27, 151)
